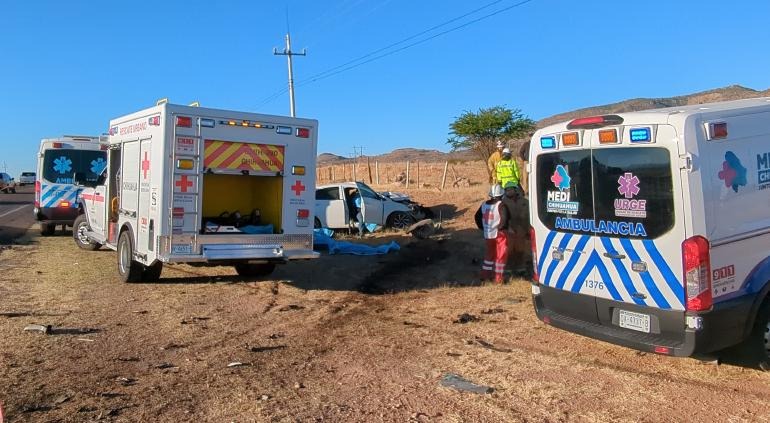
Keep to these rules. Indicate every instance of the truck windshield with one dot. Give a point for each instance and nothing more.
(632, 194)
(60, 166)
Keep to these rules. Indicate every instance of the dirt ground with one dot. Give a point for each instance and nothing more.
(341, 339)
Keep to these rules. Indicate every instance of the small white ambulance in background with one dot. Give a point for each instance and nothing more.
(59, 161)
(652, 229)
(190, 184)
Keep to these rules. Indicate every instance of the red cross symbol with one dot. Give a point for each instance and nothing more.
(145, 165)
(298, 188)
(183, 183)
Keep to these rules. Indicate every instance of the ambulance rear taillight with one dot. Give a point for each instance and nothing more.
(37, 193)
(697, 273)
(594, 122)
(532, 239)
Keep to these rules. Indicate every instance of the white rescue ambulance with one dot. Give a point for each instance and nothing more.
(652, 229)
(191, 184)
(59, 162)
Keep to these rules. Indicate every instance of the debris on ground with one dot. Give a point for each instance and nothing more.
(291, 307)
(11, 314)
(238, 364)
(493, 311)
(46, 329)
(126, 381)
(165, 366)
(264, 397)
(451, 380)
(466, 318)
(263, 349)
(423, 229)
(490, 346)
(276, 336)
(298, 385)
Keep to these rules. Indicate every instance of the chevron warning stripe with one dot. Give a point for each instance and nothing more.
(226, 155)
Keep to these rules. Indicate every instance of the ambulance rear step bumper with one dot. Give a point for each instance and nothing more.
(723, 326)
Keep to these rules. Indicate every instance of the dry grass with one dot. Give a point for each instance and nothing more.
(319, 347)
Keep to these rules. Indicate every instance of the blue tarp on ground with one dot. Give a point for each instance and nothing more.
(322, 238)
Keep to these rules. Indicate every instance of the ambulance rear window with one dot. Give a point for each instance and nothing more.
(615, 192)
(634, 185)
(60, 165)
(564, 186)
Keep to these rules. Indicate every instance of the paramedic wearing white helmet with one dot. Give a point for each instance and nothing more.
(492, 218)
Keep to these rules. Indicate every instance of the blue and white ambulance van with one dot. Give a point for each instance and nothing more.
(652, 229)
(60, 161)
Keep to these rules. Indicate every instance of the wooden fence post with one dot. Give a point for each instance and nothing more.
(407, 174)
(443, 178)
(418, 175)
(377, 171)
(369, 168)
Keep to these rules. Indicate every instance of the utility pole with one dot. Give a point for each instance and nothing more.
(288, 53)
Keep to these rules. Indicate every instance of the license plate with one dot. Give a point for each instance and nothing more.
(181, 249)
(634, 321)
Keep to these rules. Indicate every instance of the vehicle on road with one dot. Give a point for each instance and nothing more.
(335, 207)
(60, 161)
(651, 229)
(7, 184)
(27, 178)
(187, 184)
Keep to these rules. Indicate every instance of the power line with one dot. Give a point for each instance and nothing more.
(352, 63)
(318, 78)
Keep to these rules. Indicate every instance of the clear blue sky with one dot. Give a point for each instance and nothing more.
(67, 67)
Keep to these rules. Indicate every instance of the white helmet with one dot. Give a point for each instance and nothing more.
(500, 144)
(506, 150)
(496, 191)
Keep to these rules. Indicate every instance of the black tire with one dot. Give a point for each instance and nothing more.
(129, 269)
(152, 272)
(47, 229)
(78, 233)
(400, 220)
(13, 190)
(254, 270)
(757, 345)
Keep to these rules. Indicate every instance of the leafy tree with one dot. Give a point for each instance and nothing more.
(480, 132)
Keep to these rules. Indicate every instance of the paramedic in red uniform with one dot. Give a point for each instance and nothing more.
(492, 218)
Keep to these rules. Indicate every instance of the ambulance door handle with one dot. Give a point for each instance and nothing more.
(614, 255)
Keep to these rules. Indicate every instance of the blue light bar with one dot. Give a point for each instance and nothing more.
(285, 130)
(547, 142)
(206, 123)
(640, 135)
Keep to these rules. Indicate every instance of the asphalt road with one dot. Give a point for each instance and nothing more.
(16, 213)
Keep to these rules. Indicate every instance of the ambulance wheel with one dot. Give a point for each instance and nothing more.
(129, 269)
(758, 344)
(152, 272)
(47, 229)
(79, 229)
(400, 220)
(254, 270)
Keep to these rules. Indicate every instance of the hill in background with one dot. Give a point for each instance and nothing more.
(733, 92)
